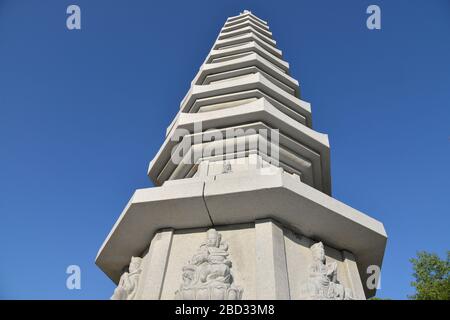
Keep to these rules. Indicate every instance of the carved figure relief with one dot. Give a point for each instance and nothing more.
(322, 283)
(208, 275)
(226, 167)
(127, 287)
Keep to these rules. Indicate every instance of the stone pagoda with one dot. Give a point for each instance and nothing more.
(242, 205)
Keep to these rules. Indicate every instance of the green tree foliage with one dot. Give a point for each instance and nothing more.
(432, 281)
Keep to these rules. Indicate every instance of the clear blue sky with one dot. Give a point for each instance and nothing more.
(83, 112)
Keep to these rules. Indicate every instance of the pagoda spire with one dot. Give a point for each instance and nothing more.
(245, 76)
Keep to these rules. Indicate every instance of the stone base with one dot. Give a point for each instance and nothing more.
(269, 261)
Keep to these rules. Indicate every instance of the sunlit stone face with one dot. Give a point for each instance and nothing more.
(134, 264)
(318, 253)
(212, 238)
